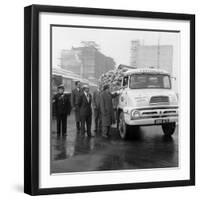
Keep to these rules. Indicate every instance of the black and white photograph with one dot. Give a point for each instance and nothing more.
(115, 99)
(99, 100)
(109, 99)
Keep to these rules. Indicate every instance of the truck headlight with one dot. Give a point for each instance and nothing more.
(135, 114)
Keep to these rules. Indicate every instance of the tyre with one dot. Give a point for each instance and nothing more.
(169, 128)
(123, 127)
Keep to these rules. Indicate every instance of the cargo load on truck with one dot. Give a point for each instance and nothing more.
(113, 78)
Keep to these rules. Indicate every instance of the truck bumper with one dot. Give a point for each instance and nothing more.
(151, 121)
(153, 116)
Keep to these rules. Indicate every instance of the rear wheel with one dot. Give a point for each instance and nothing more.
(123, 127)
(169, 128)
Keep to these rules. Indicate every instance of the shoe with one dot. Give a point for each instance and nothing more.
(89, 134)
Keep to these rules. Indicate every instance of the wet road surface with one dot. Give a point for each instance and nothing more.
(148, 149)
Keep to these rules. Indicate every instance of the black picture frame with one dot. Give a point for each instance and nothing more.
(31, 98)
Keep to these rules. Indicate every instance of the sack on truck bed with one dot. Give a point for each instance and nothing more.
(112, 78)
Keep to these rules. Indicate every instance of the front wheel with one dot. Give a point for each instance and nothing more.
(123, 127)
(169, 128)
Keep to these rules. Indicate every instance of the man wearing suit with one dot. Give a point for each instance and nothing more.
(62, 109)
(85, 110)
(107, 112)
(74, 101)
(96, 106)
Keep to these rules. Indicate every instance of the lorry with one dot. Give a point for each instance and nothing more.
(146, 98)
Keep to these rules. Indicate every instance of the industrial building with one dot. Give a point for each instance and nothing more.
(86, 61)
(157, 56)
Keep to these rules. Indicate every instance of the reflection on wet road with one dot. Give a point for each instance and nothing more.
(148, 149)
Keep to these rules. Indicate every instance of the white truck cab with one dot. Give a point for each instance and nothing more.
(146, 98)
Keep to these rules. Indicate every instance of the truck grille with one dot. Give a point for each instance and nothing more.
(159, 100)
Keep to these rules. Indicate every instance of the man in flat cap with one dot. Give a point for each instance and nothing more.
(74, 101)
(62, 109)
(85, 110)
(107, 112)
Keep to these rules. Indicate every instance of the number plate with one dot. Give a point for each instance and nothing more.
(161, 121)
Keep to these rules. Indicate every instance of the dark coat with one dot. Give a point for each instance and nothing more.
(85, 105)
(106, 108)
(96, 99)
(74, 101)
(62, 104)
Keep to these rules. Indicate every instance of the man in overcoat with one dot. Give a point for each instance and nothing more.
(85, 110)
(62, 105)
(74, 101)
(96, 107)
(107, 113)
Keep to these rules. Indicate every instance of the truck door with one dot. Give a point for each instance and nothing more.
(123, 96)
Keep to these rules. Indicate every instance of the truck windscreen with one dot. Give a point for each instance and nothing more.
(143, 81)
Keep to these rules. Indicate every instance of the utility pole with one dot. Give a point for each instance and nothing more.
(158, 53)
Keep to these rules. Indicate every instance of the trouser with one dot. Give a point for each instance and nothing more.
(97, 119)
(105, 130)
(77, 118)
(78, 126)
(61, 123)
(87, 119)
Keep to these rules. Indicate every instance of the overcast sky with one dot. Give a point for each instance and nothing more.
(113, 43)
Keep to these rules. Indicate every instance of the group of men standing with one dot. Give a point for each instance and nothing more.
(82, 102)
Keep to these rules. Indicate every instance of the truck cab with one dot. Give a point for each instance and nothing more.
(146, 98)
